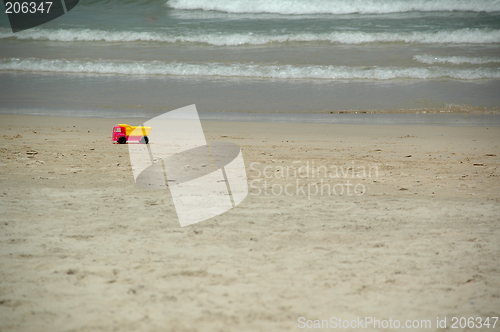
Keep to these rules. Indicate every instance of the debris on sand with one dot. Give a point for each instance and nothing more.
(31, 153)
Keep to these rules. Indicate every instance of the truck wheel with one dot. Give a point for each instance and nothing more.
(122, 140)
(144, 140)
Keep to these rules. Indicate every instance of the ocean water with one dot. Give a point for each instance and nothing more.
(274, 56)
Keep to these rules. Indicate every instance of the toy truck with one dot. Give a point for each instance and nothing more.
(123, 133)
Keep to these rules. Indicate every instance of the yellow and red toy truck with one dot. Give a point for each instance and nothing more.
(123, 133)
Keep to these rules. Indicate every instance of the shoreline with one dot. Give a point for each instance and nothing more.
(459, 116)
(451, 109)
(160, 94)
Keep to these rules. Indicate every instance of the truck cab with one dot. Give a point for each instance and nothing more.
(119, 134)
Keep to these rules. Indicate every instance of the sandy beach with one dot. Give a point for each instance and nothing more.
(82, 248)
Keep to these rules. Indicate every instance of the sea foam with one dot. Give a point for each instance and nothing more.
(242, 70)
(307, 7)
(461, 36)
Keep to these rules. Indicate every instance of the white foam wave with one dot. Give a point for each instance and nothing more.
(462, 36)
(85, 35)
(455, 60)
(307, 7)
(243, 70)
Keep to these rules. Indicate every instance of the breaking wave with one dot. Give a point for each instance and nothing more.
(462, 36)
(242, 70)
(307, 7)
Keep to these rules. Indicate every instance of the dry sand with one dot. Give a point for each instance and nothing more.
(82, 248)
